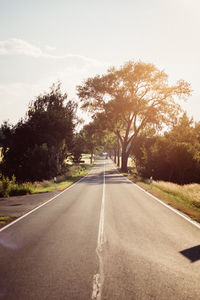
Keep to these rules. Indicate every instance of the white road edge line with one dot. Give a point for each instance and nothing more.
(38, 207)
(97, 280)
(163, 203)
(169, 207)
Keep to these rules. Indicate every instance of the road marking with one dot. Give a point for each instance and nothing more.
(168, 206)
(98, 278)
(100, 239)
(96, 287)
(163, 203)
(38, 207)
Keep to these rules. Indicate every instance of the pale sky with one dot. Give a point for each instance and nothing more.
(42, 41)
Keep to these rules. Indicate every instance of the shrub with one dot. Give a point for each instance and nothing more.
(5, 185)
(9, 187)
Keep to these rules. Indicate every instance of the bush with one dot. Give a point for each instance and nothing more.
(11, 188)
(18, 190)
(5, 185)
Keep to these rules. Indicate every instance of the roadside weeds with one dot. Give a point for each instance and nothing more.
(63, 182)
(9, 187)
(184, 198)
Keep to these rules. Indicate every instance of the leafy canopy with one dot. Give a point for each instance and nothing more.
(130, 98)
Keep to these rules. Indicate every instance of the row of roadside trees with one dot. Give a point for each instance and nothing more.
(173, 156)
(129, 106)
(35, 148)
(38, 146)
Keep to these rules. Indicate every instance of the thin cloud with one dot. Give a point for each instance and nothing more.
(70, 69)
(20, 47)
(50, 48)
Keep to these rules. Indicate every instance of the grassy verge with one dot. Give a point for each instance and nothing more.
(5, 220)
(74, 173)
(185, 198)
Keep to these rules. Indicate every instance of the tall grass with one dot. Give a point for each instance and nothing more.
(185, 198)
(187, 192)
(9, 187)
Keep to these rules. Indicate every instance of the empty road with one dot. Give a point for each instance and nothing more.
(102, 238)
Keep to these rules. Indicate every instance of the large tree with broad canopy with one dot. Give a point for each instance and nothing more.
(130, 98)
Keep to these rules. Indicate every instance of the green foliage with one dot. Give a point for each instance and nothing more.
(92, 136)
(173, 157)
(5, 186)
(77, 148)
(36, 147)
(6, 219)
(11, 188)
(130, 98)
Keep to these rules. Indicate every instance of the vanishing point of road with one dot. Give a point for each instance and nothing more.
(102, 238)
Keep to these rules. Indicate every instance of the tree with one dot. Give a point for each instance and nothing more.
(184, 151)
(111, 145)
(77, 148)
(92, 136)
(35, 148)
(175, 156)
(130, 98)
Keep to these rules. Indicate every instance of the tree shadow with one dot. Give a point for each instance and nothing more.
(193, 254)
(111, 177)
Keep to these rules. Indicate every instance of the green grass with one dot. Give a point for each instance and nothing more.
(5, 220)
(51, 186)
(74, 173)
(62, 182)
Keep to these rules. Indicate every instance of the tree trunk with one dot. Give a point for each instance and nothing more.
(118, 154)
(91, 158)
(124, 162)
(115, 156)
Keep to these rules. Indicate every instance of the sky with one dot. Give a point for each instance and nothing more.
(43, 41)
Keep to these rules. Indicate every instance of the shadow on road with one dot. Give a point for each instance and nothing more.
(193, 254)
(111, 177)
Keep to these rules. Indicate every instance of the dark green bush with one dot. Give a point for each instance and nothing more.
(9, 187)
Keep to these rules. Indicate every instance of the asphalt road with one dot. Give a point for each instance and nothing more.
(103, 229)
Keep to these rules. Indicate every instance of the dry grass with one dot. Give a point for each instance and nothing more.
(185, 198)
(188, 192)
